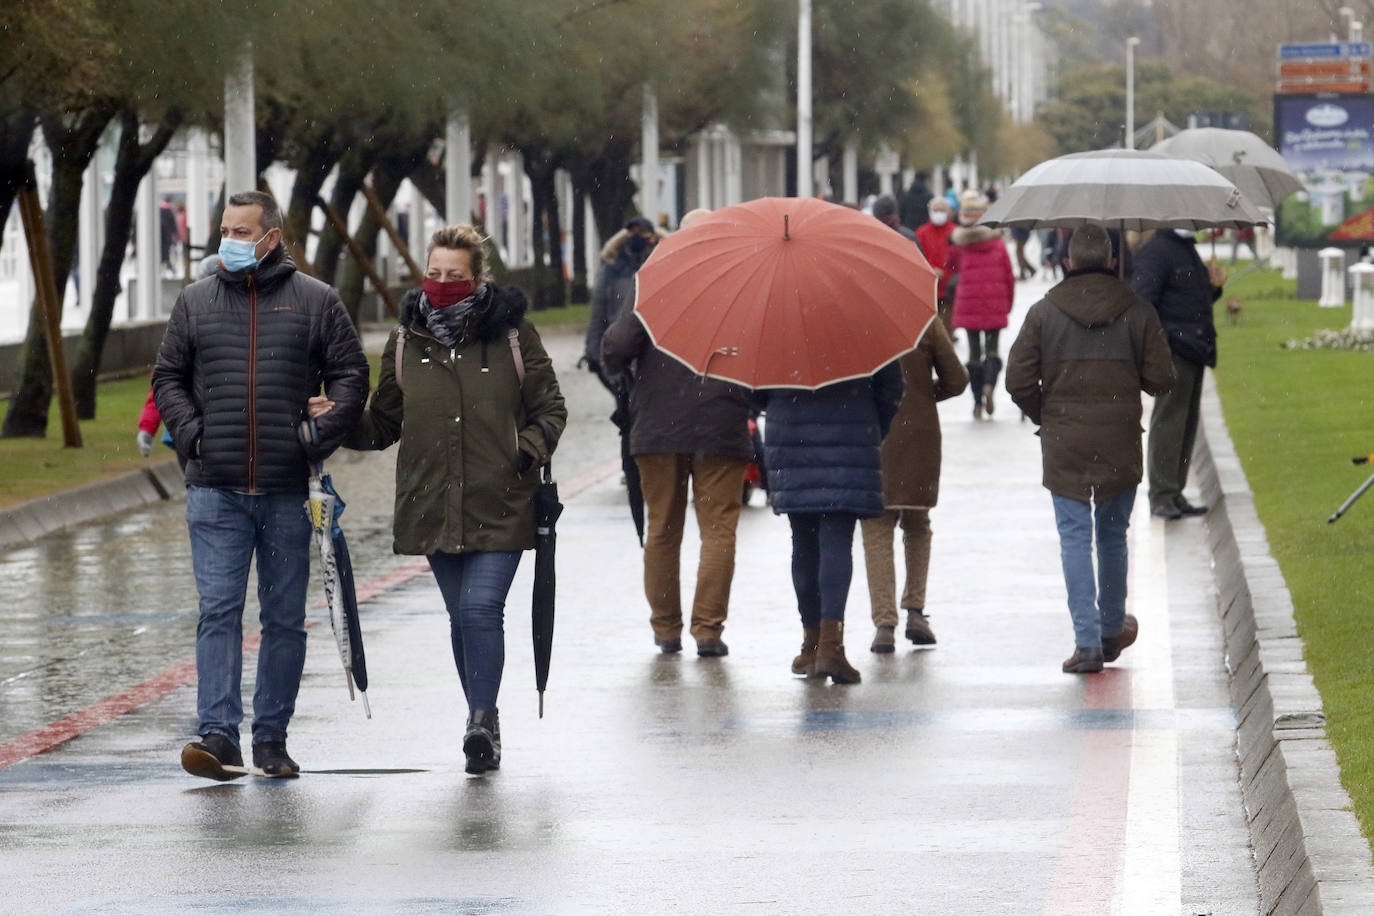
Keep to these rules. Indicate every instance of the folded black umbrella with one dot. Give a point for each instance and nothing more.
(547, 508)
(619, 386)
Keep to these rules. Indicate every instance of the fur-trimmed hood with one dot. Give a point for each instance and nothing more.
(505, 309)
(972, 235)
(610, 252)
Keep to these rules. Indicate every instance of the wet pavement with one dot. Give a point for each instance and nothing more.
(970, 778)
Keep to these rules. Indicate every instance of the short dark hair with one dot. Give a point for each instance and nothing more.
(1090, 248)
(271, 213)
(885, 206)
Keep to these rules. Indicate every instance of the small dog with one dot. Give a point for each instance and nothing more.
(1233, 307)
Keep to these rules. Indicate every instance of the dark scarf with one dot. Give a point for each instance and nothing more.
(454, 325)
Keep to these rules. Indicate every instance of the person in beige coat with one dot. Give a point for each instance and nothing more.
(911, 486)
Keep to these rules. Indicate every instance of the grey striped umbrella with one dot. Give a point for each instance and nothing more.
(1243, 158)
(1122, 189)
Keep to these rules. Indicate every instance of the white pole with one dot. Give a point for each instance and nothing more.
(849, 166)
(240, 146)
(418, 240)
(1130, 91)
(516, 194)
(804, 183)
(495, 218)
(458, 168)
(197, 191)
(147, 238)
(648, 159)
(89, 233)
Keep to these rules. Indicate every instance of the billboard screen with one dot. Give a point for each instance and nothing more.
(1328, 140)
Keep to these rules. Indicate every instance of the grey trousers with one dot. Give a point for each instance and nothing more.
(1173, 428)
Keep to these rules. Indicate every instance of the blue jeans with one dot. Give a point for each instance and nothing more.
(227, 528)
(474, 586)
(1097, 609)
(822, 564)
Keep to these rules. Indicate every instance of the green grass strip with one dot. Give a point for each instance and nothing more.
(1297, 417)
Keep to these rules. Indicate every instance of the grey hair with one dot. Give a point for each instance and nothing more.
(271, 213)
(1090, 248)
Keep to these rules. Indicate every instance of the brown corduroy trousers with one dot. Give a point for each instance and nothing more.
(882, 570)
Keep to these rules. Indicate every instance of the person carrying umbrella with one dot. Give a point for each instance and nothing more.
(1077, 368)
(982, 296)
(683, 428)
(468, 390)
(243, 352)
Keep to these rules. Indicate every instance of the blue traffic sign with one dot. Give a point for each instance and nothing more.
(1325, 51)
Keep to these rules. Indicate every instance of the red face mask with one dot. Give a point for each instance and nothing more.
(441, 295)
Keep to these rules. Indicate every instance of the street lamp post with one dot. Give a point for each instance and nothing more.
(804, 174)
(1130, 91)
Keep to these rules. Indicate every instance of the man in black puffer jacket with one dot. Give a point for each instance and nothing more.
(243, 352)
(1169, 274)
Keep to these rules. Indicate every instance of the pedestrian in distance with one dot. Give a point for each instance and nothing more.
(242, 354)
(982, 297)
(1084, 354)
(911, 486)
(683, 428)
(933, 238)
(822, 449)
(621, 257)
(916, 202)
(1170, 276)
(885, 212)
(470, 394)
(1025, 270)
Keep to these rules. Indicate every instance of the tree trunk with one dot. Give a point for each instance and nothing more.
(353, 167)
(580, 287)
(387, 175)
(612, 192)
(540, 165)
(15, 133)
(131, 165)
(72, 148)
(311, 173)
(429, 178)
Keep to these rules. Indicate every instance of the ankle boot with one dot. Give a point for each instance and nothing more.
(975, 385)
(830, 660)
(802, 663)
(482, 741)
(992, 367)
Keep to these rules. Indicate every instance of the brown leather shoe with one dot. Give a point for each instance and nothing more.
(1083, 661)
(884, 640)
(830, 660)
(803, 662)
(1112, 645)
(918, 628)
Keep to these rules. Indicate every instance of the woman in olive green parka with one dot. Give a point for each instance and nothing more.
(468, 390)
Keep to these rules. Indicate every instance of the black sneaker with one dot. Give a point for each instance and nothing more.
(213, 757)
(482, 742)
(712, 648)
(1169, 512)
(271, 760)
(1186, 508)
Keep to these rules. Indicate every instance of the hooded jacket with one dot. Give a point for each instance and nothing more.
(672, 409)
(241, 355)
(986, 285)
(615, 288)
(912, 448)
(1084, 354)
(1169, 274)
(472, 433)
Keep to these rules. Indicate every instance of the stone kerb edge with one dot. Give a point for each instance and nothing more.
(28, 521)
(1309, 853)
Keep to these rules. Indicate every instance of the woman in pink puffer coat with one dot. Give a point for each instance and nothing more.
(982, 296)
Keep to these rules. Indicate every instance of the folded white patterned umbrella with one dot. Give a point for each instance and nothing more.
(1241, 157)
(1122, 189)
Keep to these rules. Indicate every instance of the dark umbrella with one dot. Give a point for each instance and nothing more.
(325, 507)
(547, 508)
(620, 387)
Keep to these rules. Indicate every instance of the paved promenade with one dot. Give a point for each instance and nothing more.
(971, 778)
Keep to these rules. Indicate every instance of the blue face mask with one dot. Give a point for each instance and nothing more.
(239, 254)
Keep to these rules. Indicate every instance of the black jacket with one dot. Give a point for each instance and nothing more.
(1169, 274)
(672, 409)
(821, 447)
(241, 355)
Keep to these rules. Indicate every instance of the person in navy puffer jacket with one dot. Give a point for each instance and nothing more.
(821, 449)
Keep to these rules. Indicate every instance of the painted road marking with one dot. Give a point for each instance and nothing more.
(110, 708)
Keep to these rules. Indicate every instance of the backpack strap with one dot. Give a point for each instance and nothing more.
(513, 335)
(400, 355)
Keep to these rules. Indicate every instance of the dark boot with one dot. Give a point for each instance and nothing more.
(830, 660)
(992, 367)
(975, 385)
(482, 741)
(1083, 661)
(1113, 645)
(270, 759)
(918, 628)
(213, 756)
(803, 662)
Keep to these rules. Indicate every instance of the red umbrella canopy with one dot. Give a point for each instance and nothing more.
(786, 293)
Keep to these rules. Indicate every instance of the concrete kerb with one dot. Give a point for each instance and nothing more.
(29, 521)
(1308, 849)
